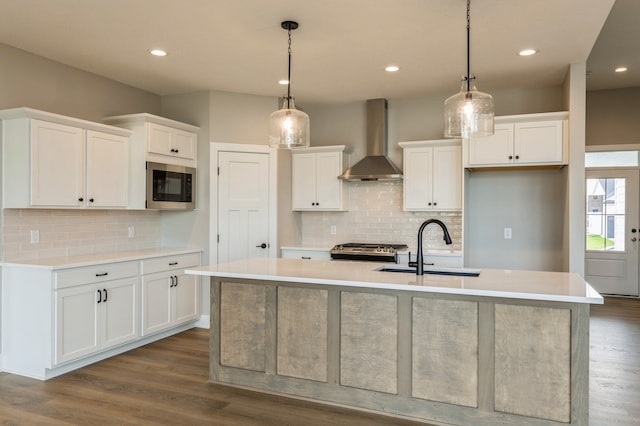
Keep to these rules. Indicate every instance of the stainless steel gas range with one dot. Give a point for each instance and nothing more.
(377, 252)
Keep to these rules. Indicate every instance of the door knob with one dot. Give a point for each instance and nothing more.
(262, 246)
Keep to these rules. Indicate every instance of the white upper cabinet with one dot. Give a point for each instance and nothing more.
(522, 140)
(315, 184)
(53, 161)
(171, 142)
(160, 139)
(432, 175)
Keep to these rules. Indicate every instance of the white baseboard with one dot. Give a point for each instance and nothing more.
(203, 322)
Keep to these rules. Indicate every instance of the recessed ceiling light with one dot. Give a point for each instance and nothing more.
(283, 82)
(527, 52)
(392, 68)
(158, 52)
(621, 69)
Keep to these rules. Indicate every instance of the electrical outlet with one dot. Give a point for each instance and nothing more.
(35, 236)
(507, 233)
(132, 232)
(333, 230)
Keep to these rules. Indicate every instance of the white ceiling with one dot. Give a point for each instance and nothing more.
(339, 51)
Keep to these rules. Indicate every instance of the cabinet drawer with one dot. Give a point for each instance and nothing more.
(94, 274)
(308, 254)
(167, 263)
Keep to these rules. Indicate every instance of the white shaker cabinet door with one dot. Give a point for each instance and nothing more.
(493, 150)
(156, 302)
(539, 142)
(447, 178)
(107, 170)
(328, 186)
(418, 179)
(77, 317)
(119, 314)
(303, 173)
(186, 306)
(57, 165)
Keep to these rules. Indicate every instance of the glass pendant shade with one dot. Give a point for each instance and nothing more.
(468, 113)
(288, 127)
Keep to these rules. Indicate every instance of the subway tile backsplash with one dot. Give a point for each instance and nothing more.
(375, 215)
(76, 232)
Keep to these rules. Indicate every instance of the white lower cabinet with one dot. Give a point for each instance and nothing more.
(56, 318)
(169, 297)
(93, 317)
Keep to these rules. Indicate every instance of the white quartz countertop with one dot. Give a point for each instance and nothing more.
(530, 285)
(64, 262)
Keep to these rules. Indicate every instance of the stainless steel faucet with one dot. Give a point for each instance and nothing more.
(420, 257)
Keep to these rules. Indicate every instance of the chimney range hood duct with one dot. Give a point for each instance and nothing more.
(376, 165)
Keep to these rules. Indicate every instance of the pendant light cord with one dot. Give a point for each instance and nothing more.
(289, 72)
(468, 47)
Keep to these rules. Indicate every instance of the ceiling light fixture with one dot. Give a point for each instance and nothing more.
(527, 52)
(158, 52)
(621, 69)
(392, 68)
(469, 113)
(288, 127)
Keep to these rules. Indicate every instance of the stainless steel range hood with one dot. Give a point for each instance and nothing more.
(376, 165)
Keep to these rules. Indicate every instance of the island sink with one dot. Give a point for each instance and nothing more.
(457, 272)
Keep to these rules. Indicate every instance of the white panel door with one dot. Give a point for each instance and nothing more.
(243, 206)
(611, 258)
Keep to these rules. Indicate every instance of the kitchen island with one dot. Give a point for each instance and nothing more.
(504, 347)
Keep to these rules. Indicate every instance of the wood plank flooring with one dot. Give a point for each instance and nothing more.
(165, 383)
(614, 377)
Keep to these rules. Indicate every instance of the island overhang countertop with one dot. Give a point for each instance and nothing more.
(515, 284)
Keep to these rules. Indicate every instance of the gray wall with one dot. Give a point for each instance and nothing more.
(613, 117)
(28, 80)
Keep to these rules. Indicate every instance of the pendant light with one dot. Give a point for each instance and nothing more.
(469, 113)
(289, 127)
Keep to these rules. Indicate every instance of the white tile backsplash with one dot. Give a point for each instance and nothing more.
(76, 232)
(375, 216)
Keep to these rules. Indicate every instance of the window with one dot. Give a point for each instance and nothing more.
(606, 214)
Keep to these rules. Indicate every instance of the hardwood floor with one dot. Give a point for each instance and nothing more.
(614, 377)
(166, 383)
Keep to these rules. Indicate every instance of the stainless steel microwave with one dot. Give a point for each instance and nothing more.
(170, 187)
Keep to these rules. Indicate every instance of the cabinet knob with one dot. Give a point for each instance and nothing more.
(81, 199)
(517, 157)
(435, 204)
(91, 200)
(429, 203)
(511, 157)
(262, 246)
